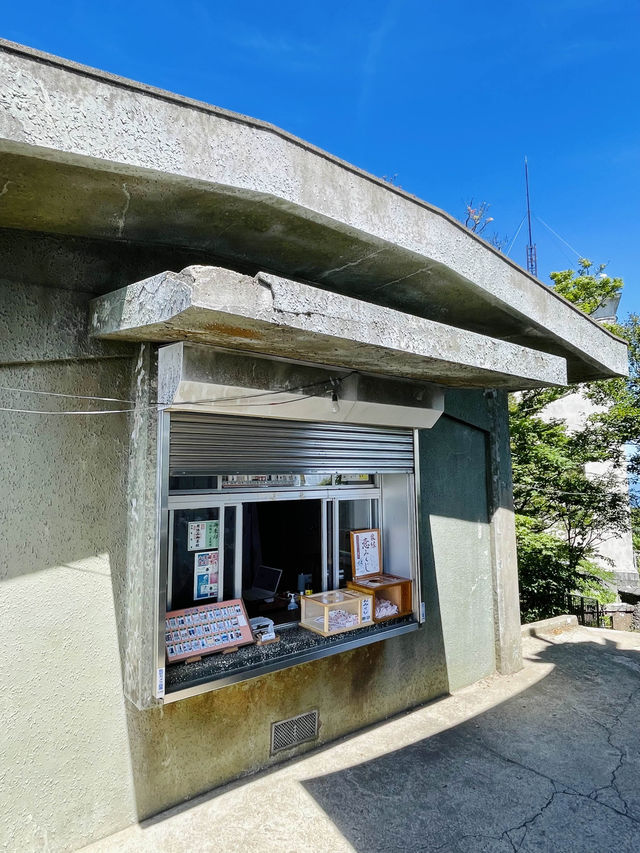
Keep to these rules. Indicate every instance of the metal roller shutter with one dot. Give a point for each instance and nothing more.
(218, 444)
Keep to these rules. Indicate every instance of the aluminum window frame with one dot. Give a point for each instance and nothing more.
(329, 496)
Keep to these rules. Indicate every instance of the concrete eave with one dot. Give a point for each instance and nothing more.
(279, 317)
(89, 154)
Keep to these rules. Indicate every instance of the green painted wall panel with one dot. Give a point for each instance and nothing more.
(457, 546)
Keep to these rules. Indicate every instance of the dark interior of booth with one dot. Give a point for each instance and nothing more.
(281, 556)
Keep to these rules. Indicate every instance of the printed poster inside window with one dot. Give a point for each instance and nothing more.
(205, 584)
(366, 558)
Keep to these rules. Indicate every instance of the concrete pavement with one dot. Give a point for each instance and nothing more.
(547, 759)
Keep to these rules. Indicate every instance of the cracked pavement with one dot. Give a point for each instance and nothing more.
(545, 760)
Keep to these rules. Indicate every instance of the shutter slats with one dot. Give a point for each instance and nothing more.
(218, 444)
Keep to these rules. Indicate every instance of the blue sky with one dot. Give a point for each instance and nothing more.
(448, 97)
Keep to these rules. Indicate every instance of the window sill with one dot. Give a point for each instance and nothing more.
(296, 646)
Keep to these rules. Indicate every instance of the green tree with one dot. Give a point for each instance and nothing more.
(561, 513)
(586, 288)
(546, 577)
(635, 527)
(619, 421)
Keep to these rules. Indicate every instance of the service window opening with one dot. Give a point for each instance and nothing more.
(261, 573)
(281, 556)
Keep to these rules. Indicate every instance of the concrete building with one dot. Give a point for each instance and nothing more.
(278, 349)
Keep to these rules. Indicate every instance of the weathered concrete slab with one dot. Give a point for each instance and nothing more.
(553, 625)
(87, 153)
(271, 315)
(544, 759)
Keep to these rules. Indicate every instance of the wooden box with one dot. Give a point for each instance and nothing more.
(389, 588)
(337, 611)
(392, 594)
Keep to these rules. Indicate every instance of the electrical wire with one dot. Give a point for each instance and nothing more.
(284, 402)
(508, 252)
(68, 396)
(155, 406)
(158, 406)
(329, 383)
(568, 245)
(75, 412)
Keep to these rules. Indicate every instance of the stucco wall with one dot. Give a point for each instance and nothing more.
(76, 760)
(64, 755)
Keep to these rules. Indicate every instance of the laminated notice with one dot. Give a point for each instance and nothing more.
(203, 534)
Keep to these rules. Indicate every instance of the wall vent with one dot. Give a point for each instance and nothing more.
(286, 734)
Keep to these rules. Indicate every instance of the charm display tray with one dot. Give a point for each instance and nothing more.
(204, 630)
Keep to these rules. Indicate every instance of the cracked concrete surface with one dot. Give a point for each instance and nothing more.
(74, 141)
(547, 759)
(282, 317)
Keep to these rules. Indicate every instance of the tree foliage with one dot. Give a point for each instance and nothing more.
(546, 575)
(618, 422)
(586, 288)
(563, 512)
(635, 527)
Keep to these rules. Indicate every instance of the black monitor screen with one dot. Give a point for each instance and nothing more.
(267, 578)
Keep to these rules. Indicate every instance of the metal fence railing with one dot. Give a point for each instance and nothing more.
(588, 611)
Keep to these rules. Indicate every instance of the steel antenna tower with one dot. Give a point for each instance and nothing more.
(532, 257)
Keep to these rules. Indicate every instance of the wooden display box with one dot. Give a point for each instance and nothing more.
(366, 568)
(337, 611)
(391, 588)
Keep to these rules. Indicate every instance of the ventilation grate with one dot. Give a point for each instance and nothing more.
(288, 733)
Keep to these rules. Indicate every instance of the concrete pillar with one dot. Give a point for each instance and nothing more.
(506, 601)
(142, 558)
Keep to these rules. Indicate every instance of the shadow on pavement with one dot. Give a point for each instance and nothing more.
(555, 768)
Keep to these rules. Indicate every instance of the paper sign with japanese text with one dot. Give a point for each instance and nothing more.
(366, 558)
(203, 534)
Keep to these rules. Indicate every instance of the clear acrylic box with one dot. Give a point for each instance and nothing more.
(329, 613)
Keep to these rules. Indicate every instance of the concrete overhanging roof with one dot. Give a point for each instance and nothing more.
(284, 318)
(86, 153)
